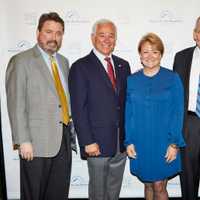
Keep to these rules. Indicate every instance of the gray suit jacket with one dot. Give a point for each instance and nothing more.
(33, 104)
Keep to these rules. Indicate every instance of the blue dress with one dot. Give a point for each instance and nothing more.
(153, 121)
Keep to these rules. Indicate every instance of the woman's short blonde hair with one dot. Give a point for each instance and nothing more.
(154, 40)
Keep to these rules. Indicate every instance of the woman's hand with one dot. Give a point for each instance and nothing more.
(171, 154)
(130, 149)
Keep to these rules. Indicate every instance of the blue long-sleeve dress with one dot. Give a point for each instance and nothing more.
(153, 121)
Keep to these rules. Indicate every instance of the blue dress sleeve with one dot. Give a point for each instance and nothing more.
(177, 113)
(129, 116)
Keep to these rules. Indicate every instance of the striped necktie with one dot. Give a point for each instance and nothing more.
(198, 100)
(60, 91)
(110, 72)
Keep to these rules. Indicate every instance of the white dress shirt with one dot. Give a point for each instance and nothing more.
(194, 80)
(102, 57)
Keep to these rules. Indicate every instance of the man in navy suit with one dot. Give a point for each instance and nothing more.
(187, 65)
(97, 96)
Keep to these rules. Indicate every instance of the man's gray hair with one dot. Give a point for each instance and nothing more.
(197, 23)
(100, 22)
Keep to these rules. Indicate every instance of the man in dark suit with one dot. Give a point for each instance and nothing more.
(97, 94)
(38, 107)
(187, 64)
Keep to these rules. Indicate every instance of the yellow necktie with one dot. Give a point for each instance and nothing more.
(60, 91)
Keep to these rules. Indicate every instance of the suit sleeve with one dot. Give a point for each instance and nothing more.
(16, 81)
(78, 88)
(177, 112)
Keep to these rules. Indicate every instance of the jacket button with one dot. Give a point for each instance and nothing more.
(59, 106)
(60, 122)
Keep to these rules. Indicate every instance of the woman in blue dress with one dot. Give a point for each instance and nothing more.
(153, 119)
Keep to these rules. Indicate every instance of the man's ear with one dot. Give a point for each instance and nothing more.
(37, 33)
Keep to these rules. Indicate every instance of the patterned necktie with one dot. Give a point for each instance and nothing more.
(110, 72)
(198, 100)
(60, 91)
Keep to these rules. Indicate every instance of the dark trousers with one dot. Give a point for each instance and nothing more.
(191, 159)
(47, 178)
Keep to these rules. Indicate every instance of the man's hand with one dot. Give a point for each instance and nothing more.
(130, 149)
(26, 151)
(92, 149)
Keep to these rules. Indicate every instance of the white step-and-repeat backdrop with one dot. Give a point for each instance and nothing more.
(173, 20)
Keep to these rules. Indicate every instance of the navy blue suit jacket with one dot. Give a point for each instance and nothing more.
(97, 109)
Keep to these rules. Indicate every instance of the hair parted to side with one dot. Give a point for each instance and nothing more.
(51, 16)
(197, 24)
(100, 22)
(154, 40)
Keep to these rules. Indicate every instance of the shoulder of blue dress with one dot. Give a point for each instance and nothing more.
(135, 74)
(168, 75)
(166, 70)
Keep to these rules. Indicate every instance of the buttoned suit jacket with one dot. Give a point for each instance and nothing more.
(33, 104)
(98, 109)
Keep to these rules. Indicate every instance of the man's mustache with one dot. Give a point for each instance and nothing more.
(53, 41)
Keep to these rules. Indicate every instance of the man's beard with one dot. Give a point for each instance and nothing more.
(50, 47)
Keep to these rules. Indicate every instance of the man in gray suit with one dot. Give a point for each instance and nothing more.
(38, 107)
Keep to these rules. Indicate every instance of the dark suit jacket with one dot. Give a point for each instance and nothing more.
(98, 110)
(182, 65)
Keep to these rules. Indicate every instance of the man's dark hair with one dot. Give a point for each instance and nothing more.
(52, 16)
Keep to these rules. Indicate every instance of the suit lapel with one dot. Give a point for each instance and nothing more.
(189, 62)
(64, 70)
(100, 70)
(188, 71)
(118, 68)
(41, 65)
(62, 64)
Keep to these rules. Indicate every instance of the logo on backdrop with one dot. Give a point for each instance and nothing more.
(124, 47)
(30, 18)
(74, 17)
(78, 181)
(166, 16)
(127, 182)
(20, 46)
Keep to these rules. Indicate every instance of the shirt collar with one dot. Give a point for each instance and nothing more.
(100, 56)
(197, 51)
(44, 53)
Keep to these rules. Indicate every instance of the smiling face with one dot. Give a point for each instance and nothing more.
(150, 56)
(50, 36)
(104, 38)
